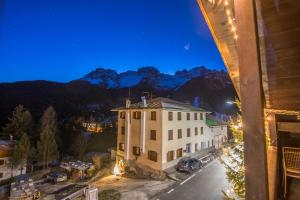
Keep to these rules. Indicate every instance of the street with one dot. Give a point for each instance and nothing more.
(206, 184)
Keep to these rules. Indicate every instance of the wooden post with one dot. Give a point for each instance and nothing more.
(252, 101)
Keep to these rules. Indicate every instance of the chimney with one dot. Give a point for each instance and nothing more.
(144, 102)
(128, 103)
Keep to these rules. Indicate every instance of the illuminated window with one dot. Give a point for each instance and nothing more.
(121, 146)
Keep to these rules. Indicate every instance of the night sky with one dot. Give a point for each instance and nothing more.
(61, 40)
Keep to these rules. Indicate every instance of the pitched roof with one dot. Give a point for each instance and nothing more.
(213, 121)
(162, 102)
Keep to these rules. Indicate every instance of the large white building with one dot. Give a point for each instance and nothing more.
(156, 133)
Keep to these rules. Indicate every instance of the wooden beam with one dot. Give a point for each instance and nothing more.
(256, 174)
(291, 127)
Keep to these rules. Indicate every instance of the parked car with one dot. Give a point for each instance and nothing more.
(188, 165)
(207, 159)
(57, 177)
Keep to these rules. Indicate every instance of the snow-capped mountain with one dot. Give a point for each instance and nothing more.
(108, 78)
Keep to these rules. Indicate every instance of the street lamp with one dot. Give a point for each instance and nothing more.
(230, 102)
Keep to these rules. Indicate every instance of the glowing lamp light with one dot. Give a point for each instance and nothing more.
(233, 28)
(228, 12)
(235, 36)
(226, 3)
(117, 170)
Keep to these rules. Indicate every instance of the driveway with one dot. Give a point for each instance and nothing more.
(130, 188)
(206, 184)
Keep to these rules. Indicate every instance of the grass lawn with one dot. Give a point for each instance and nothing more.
(109, 195)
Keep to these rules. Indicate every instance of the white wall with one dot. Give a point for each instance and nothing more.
(162, 145)
(6, 170)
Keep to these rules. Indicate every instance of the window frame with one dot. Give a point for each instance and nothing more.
(152, 155)
(179, 116)
(179, 133)
(153, 132)
(170, 156)
(153, 115)
(188, 132)
(170, 134)
(170, 116)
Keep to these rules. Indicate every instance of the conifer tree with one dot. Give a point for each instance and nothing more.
(19, 123)
(47, 147)
(20, 154)
(233, 160)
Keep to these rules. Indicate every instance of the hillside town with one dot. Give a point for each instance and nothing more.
(150, 100)
(152, 137)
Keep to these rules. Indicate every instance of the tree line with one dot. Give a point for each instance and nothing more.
(38, 146)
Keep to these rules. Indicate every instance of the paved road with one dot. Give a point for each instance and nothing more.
(206, 184)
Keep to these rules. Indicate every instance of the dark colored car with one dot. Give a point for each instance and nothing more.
(56, 177)
(188, 165)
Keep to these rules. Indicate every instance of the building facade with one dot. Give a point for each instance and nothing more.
(6, 171)
(158, 132)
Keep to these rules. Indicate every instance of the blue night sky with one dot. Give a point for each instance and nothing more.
(61, 40)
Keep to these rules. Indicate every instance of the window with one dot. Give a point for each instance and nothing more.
(188, 116)
(1, 175)
(123, 130)
(201, 130)
(137, 115)
(188, 132)
(152, 155)
(153, 115)
(188, 148)
(195, 116)
(136, 151)
(179, 133)
(196, 131)
(207, 143)
(153, 135)
(212, 142)
(121, 146)
(201, 116)
(196, 147)
(122, 115)
(179, 153)
(170, 116)
(170, 156)
(179, 116)
(202, 145)
(221, 127)
(170, 135)
(1, 162)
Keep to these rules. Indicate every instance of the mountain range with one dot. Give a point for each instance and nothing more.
(110, 79)
(104, 89)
